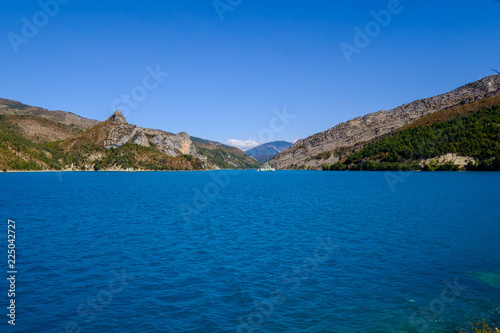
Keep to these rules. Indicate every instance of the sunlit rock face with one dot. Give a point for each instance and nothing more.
(363, 129)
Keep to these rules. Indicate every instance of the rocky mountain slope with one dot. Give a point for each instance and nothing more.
(115, 132)
(33, 138)
(329, 146)
(15, 108)
(267, 151)
(110, 145)
(463, 137)
(39, 130)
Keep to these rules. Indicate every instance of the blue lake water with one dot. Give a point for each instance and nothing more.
(286, 251)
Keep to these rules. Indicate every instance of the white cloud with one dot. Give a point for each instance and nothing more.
(242, 144)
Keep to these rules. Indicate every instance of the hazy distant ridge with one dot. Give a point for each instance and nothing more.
(267, 151)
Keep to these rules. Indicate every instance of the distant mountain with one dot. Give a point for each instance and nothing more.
(331, 145)
(33, 138)
(224, 156)
(267, 151)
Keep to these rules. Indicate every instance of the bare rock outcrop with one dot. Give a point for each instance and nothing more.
(174, 145)
(116, 131)
(117, 118)
(363, 129)
(141, 140)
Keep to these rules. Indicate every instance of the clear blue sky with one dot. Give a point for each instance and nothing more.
(227, 76)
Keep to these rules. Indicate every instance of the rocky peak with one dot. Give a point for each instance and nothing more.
(184, 135)
(117, 118)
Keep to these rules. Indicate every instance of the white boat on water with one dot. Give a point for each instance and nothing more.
(266, 167)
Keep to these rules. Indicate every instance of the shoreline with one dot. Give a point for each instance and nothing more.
(333, 171)
(20, 171)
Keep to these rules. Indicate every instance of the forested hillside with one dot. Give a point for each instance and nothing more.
(475, 135)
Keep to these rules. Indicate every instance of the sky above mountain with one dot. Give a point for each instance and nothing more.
(242, 71)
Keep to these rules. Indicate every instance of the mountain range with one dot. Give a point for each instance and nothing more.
(33, 138)
(267, 151)
(424, 134)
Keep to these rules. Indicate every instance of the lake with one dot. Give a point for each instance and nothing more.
(242, 251)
